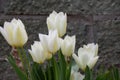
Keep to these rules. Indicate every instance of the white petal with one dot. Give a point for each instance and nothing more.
(92, 62)
(3, 32)
(44, 40)
(78, 61)
(20, 36)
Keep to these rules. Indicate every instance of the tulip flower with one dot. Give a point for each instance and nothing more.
(14, 32)
(50, 42)
(87, 56)
(38, 53)
(75, 75)
(57, 21)
(68, 45)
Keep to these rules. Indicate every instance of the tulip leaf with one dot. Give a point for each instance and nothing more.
(68, 70)
(115, 73)
(62, 65)
(49, 72)
(37, 72)
(19, 72)
(104, 76)
(88, 74)
(112, 74)
(55, 69)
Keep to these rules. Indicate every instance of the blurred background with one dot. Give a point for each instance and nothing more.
(90, 20)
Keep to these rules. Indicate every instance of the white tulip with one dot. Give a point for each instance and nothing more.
(87, 56)
(57, 21)
(14, 32)
(75, 75)
(68, 45)
(38, 53)
(50, 42)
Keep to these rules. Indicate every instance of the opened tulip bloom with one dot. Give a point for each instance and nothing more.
(38, 53)
(87, 56)
(14, 32)
(57, 21)
(50, 42)
(68, 45)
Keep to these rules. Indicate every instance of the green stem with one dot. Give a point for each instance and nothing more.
(25, 61)
(21, 57)
(55, 69)
(49, 70)
(44, 74)
(68, 70)
(62, 65)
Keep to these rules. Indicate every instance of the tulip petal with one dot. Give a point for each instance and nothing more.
(78, 61)
(20, 36)
(44, 40)
(92, 62)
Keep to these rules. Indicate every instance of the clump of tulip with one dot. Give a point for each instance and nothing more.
(87, 56)
(50, 58)
(57, 21)
(14, 32)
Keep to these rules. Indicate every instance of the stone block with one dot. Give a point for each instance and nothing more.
(69, 6)
(108, 38)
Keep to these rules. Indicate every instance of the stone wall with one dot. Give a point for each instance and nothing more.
(90, 20)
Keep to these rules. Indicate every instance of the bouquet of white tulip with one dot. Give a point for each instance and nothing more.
(52, 58)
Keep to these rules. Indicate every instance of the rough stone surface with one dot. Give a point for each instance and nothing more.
(90, 20)
(69, 6)
(108, 38)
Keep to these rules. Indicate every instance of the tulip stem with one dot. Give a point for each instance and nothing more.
(25, 61)
(21, 58)
(62, 65)
(55, 69)
(49, 70)
(68, 69)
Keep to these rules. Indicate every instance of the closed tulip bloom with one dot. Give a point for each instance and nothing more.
(87, 56)
(68, 45)
(37, 52)
(14, 32)
(57, 21)
(51, 42)
(75, 74)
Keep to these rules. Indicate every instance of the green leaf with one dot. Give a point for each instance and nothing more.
(115, 73)
(88, 74)
(37, 72)
(55, 69)
(24, 59)
(112, 74)
(104, 76)
(19, 72)
(62, 65)
(68, 70)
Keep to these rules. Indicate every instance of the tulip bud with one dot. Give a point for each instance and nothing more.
(50, 42)
(57, 21)
(68, 45)
(75, 74)
(14, 32)
(38, 53)
(87, 56)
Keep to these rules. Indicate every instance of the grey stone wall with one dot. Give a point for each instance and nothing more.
(90, 20)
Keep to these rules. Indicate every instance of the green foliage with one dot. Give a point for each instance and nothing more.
(57, 68)
(112, 74)
(88, 74)
(19, 72)
(53, 70)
